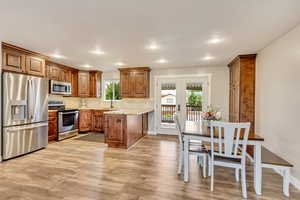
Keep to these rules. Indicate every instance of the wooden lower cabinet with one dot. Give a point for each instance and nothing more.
(52, 129)
(122, 131)
(145, 123)
(98, 120)
(85, 120)
(91, 120)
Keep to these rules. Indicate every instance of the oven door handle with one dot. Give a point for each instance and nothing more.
(66, 113)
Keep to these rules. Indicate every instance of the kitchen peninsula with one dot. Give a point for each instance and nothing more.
(123, 128)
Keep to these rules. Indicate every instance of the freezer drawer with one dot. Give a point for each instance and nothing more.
(20, 140)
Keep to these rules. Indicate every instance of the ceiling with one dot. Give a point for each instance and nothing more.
(124, 28)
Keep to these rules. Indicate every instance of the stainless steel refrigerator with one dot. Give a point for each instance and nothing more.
(25, 114)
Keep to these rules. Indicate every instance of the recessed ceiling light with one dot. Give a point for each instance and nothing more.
(153, 46)
(162, 61)
(87, 66)
(208, 57)
(98, 52)
(56, 55)
(120, 64)
(215, 40)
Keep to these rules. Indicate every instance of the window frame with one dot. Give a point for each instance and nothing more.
(104, 89)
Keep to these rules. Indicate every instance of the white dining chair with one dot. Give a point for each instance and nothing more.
(231, 149)
(196, 148)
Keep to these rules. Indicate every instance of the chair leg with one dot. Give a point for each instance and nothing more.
(199, 160)
(211, 175)
(237, 174)
(180, 162)
(286, 182)
(209, 166)
(204, 166)
(244, 185)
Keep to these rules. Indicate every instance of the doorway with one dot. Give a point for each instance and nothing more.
(185, 95)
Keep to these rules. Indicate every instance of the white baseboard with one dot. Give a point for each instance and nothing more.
(151, 133)
(294, 181)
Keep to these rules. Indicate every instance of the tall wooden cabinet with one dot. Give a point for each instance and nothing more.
(135, 82)
(242, 90)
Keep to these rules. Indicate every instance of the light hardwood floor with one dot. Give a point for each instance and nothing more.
(80, 170)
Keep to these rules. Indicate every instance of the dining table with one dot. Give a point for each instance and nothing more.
(195, 130)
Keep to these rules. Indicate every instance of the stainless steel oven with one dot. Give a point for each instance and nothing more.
(58, 87)
(67, 123)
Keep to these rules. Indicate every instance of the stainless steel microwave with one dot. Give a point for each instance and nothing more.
(58, 87)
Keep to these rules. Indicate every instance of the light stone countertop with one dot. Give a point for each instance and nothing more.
(130, 111)
(52, 110)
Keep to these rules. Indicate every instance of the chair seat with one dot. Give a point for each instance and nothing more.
(226, 159)
(198, 148)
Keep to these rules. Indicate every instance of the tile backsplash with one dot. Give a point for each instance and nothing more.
(77, 102)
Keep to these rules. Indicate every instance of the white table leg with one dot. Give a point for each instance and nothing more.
(257, 168)
(186, 158)
(286, 182)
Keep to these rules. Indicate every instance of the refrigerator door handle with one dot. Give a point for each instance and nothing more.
(30, 100)
(27, 127)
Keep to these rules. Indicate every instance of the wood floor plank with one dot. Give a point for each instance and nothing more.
(82, 170)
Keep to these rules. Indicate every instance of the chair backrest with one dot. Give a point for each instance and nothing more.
(228, 138)
(178, 126)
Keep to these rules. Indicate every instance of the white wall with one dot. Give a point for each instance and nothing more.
(278, 97)
(219, 82)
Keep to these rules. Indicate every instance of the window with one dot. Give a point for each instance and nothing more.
(112, 90)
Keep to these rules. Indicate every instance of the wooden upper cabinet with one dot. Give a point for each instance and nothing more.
(125, 84)
(74, 83)
(83, 84)
(135, 82)
(19, 60)
(95, 84)
(141, 84)
(13, 61)
(65, 75)
(35, 66)
(58, 72)
(53, 71)
(242, 89)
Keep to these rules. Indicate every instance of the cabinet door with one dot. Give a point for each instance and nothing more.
(98, 120)
(115, 130)
(35, 66)
(74, 83)
(52, 130)
(125, 85)
(83, 84)
(65, 75)
(85, 120)
(54, 72)
(145, 123)
(140, 84)
(13, 61)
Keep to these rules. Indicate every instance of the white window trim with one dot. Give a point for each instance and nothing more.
(103, 92)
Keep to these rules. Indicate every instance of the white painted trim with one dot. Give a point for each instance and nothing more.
(209, 78)
(293, 180)
(151, 133)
